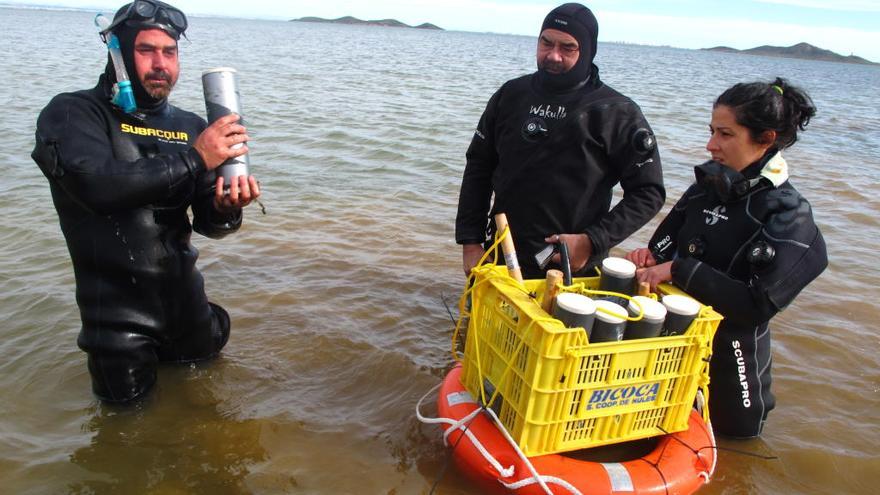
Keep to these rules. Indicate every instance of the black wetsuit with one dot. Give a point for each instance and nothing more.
(552, 160)
(747, 255)
(122, 186)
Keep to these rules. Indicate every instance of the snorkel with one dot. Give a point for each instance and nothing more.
(123, 96)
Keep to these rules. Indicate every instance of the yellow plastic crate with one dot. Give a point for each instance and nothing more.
(560, 393)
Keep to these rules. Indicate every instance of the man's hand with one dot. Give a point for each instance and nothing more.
(641, 257)
(580, 248)
(655, 275)
(242, 191)
(216, 143)
(470, 256)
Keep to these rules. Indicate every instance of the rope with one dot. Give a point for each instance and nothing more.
(704, 474)
(542, 480)
(471, 286)
(458, 425)
(708, 471)
(449, 453)
(547, 479)
(446, 305)
(520, 453)
(749, 454)
(502, 472)
(483, 274)
(702, 403)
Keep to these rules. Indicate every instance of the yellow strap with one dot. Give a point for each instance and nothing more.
(469, 289)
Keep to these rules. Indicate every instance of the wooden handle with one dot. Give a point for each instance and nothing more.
(644, 288)
(553, 279)
(510, 259)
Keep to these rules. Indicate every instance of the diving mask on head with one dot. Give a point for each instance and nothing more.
(122, 93)
(150, 13)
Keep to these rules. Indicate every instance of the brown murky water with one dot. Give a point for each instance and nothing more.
(337, 293)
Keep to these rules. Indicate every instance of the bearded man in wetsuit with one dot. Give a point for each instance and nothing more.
(551, 146)
(122, 184)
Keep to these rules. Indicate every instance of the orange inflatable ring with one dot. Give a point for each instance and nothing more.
(680, 464)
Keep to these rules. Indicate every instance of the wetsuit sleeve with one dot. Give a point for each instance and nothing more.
(641, 178)
(664, 241)
(206, 219)
(799, 257)
(74, 149)
(476, 183)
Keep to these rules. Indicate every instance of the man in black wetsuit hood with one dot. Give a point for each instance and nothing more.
(551, 146)
(122, 184)
(572, 65)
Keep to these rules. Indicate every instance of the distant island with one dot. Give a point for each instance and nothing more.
(381, 22)
(801, 50)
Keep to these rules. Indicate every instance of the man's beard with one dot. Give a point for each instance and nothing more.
(156, 89)
(552, 67)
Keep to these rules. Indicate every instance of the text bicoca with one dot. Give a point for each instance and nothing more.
(623, 396)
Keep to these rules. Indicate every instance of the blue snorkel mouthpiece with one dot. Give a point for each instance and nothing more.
(123, 95)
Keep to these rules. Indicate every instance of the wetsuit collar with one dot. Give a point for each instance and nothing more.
(106, 81)
(771, 166)
(540, 85)
(729, 185)
(776, 169)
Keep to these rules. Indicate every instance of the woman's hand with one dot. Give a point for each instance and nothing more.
(641, 257)
(655, 275)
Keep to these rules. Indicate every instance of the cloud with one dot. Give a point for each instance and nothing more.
(707, 32)
(846, 5)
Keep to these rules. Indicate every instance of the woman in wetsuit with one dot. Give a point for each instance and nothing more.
(743, 240)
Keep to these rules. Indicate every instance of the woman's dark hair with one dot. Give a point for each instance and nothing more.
(776, 106)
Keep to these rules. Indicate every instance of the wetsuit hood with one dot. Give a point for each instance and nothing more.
(579, 22)
(127, 32)
(727, 184)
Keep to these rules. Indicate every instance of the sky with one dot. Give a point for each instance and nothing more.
(848, 27)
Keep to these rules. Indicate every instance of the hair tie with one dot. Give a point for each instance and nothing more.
(777, 88)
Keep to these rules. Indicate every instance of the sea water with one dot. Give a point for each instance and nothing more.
(338, 293)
